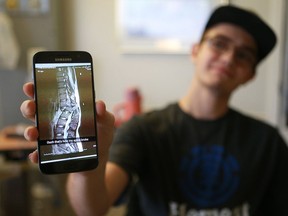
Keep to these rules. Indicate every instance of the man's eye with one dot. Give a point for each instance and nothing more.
(245, 56)
(220, 44)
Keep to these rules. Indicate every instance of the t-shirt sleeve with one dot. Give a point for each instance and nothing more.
(127, 147)
(280, 189)
(275, 201)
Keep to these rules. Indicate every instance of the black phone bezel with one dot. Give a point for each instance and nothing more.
(75, 165)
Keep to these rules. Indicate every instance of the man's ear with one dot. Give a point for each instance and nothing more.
(194, 50)
(253, 75)
(250, 77)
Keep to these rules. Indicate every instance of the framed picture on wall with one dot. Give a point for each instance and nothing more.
(25, 7)
(161, 26)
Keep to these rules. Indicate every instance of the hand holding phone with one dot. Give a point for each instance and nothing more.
(65, 111)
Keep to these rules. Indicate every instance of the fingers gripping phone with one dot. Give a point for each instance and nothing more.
(65, 111)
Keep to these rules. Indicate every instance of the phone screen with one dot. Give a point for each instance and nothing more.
(66, 117)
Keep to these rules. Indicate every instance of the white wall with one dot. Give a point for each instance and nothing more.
(261, 98)
(161, 78)
(164, 78)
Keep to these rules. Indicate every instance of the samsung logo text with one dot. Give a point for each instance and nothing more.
(63, 59)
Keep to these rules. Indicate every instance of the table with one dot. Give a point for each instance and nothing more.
(11, 139)
(14, 143)
(22, 178)
(14, 150)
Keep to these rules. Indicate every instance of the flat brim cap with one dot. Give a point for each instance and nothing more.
(264, 36)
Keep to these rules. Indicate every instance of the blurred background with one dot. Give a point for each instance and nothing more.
(151, 65)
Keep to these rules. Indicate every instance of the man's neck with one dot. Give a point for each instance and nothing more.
(203, 103)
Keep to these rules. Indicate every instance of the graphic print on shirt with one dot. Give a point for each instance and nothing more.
(209, 176)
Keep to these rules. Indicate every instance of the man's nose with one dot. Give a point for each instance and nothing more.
(229, 56)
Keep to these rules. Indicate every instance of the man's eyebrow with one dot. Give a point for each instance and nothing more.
(220, 37)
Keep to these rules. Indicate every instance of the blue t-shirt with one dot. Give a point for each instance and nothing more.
(234, 165)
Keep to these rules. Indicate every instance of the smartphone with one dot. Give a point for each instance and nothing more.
(65, 111)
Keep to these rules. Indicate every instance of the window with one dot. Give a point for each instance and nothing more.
(161, 26)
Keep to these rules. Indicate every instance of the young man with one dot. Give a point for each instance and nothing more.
(197, 156)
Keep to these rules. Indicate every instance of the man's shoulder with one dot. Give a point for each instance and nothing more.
(156, 118)
(167, 113)
(251, 122)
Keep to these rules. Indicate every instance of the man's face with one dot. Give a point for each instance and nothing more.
(225, 58)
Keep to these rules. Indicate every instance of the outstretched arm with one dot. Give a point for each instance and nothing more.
(93, 192)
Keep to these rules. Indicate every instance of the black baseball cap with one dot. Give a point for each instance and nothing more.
(250, 22)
